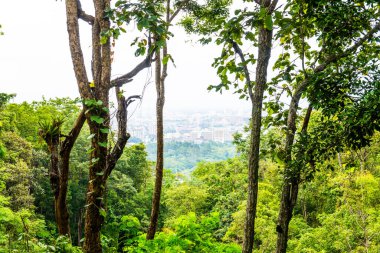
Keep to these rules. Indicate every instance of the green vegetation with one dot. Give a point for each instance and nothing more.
(204, 212)
(179, 156)
(305, 176)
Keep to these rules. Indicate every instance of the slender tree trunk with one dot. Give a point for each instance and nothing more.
(288, 201)
(265, 47)
(54, 174)
(290, 188)
(62, 213)
(160, 148)
(160, 75)
(101, 72)
(80, 226)
(291, 181)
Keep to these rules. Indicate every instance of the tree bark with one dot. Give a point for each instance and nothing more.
(101, 72)
(160, 75)
(160, 148)
(291, 180)
(59, 172)
(80, 226)
(265, 47)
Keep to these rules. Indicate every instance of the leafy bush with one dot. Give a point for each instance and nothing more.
(189, 234)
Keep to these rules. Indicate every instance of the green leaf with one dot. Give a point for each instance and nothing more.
(90, 136)
(104, 130)
(103, 144)
(90, 150)
(103, 40)
(165, 59)
(268, 22)
(97, 119)
(99, 173)
(102, 212)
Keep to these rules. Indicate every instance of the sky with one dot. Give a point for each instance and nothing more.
(35, 61)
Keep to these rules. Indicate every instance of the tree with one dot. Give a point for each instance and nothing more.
(337, 51)
(161, 71)
(232, 34)
(95, 95)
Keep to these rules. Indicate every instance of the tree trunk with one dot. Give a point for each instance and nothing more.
(59, 171)
(288, 201)
(160, 146)
(160, 75)
(60, 208)
(291, 177)
(101, 72)
(80, 226)
(265, 47)
(95, 189)
(62, 213)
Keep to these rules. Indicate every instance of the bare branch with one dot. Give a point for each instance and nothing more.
(176, 12)
(169, 18)
(84, 16)
(246, 72)
(120, 81)
(122, 137)
(131, 99)
(272, 6)
(70, 139)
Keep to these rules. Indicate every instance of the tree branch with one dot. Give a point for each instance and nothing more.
(123, 136)
(272, 6)
(176, 12)
(335, 58)
(84, 16)
(126, 78)
(75, 48)
(246, 72)
(131, 99)
(70, 139)
(304, 84)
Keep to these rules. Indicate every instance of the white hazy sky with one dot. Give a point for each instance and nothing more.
(35, 61)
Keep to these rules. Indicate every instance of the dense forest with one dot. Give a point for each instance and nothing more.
(305, 171)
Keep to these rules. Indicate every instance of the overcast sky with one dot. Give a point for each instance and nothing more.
(35, 61)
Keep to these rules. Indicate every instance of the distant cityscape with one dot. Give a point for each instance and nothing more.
(195, 127)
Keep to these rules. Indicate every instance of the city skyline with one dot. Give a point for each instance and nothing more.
(196, 127)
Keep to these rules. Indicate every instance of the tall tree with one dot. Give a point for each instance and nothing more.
(253, 26)
(264, 52)
(95, 96)
(344, 30)
(161, 71)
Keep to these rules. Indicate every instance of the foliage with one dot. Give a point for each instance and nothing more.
(336, 161)
(180, 156)
(189, 234)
